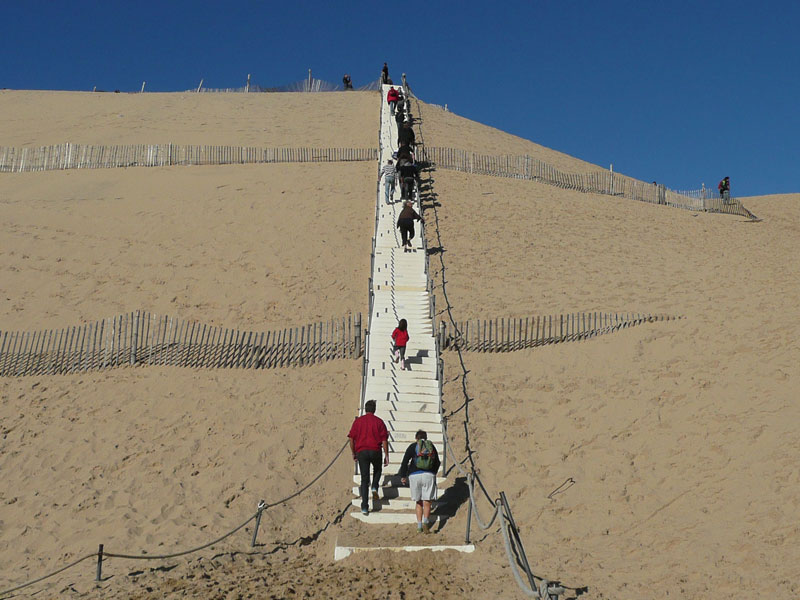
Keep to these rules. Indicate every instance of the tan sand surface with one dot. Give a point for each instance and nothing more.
(157, 460)
(335, 119)
(446, 129)
(261, 246)
(679, 435)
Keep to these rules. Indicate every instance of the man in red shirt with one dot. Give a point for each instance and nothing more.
(367, 436)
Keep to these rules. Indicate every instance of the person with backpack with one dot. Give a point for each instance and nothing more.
(367, 436)
(724, 188)
(400, 340)
(418, 471)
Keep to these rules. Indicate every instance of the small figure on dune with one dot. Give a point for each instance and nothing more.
(347, 82)
(367, 436)
(405, 222)
(724, 188)
(385, 74)
(418, 471)
(389, 172)
(400, 340)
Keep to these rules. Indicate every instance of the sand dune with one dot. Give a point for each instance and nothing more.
(336, 119)
(677, 436)
(240, 245)
(446, 129)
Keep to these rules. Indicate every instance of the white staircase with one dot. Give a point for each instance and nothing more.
(407, 400)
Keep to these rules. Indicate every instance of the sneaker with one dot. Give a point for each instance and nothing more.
(426, 528)
(419, 527)
(364, 511)
(403, 366)
(375, 495)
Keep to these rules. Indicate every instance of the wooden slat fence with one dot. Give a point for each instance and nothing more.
(599, 182)
(509, 334)
(81, 156)
(142, 338)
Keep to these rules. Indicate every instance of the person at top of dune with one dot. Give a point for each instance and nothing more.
(724, 188)
(392, 98)
(347, 82)
(385, 74)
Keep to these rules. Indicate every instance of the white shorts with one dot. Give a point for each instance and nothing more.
(423, 486)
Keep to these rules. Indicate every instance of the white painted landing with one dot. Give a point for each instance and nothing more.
(410, 399)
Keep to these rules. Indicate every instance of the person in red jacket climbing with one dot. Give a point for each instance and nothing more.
(400, 339)
(392, 98)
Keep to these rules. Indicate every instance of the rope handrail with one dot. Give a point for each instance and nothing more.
(544, 589)
(261, 507)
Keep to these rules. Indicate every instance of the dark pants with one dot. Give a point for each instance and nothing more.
(406, 230)
(365, 459)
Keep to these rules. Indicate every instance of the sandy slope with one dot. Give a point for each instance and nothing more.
(336, 119)
(241, 246)
(156, 459)
(677, 435)
(447, 129)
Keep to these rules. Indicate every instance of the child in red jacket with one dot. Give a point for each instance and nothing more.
(400, 339)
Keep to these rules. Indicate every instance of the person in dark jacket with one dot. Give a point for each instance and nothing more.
(385, 74)
(405, 135)
(347, 82)
(405, 221)
(418, 471)
(408, 175)
(724, 188)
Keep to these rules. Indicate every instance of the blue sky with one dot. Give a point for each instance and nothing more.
(678, 92)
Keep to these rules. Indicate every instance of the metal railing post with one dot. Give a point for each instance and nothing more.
(99, 574)
(261, 506)
(469, 507)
